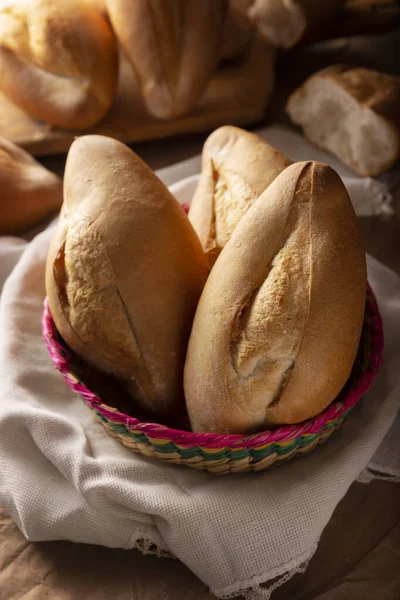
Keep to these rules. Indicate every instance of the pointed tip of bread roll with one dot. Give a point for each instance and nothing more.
(278, 325)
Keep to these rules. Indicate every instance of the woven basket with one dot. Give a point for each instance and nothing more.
(223, 454)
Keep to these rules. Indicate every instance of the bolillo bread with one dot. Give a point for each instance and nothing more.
(29, 192)
(124, 272)
(173, 47)
(283, 23)
(237, 166)
(278, 324)
(352, 113)
(58, 60)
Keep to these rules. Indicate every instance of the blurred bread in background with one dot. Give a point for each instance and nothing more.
(353, 113)
(283, 23)
(174, 48)
(58, 60)
(29, 192)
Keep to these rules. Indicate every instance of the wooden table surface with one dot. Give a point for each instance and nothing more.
(358, 557)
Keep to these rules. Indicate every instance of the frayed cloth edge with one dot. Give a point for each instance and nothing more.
(251, 588)
(371, 474)
(147, 544)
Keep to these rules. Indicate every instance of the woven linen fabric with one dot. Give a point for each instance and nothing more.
(62, 477)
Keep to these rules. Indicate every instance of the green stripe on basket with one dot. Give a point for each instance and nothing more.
(263, 452)
(307, 439)
(189, 452)
(140, 438)
(239, 454)
(287, 447)
(217, 455)
(209, 455)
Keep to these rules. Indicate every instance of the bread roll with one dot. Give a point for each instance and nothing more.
(283, 23)
(173, 46)
(29, 192)
(124, 272)
(58, 60)
(353, 113)
(278, 324)
(99, 4)
(237, 166)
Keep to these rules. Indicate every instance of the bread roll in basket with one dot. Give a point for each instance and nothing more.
(234, 453)
(138, 400)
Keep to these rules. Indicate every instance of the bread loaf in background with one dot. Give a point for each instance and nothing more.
(124, 272)
(29, 192)
(283, 23)
(353, 113)
(173, 46)
(58, 60)
(278, 324)
(237, 166)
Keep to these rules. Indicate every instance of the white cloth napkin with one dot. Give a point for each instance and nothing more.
(62, 477)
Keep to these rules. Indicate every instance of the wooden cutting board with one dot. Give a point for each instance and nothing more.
(237, 94)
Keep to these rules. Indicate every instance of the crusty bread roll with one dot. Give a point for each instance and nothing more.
(29, 192)
(283, 23)
(237, 35)
(99, 4)
(278, 324)
(173, 46)
(58, 60)
(124, 272)
(237, 166)
(353, 113)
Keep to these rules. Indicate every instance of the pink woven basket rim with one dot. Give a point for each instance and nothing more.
(189, 439)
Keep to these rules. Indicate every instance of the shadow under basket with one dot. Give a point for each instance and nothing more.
(219, 453)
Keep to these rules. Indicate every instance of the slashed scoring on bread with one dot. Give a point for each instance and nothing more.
(124, 272)
(278, 324)
(237, 166)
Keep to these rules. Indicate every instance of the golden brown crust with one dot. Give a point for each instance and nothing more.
(29, 192)
(278, 324)
(237, 166)
(58, 60)
(124, 272)
(173, 47)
